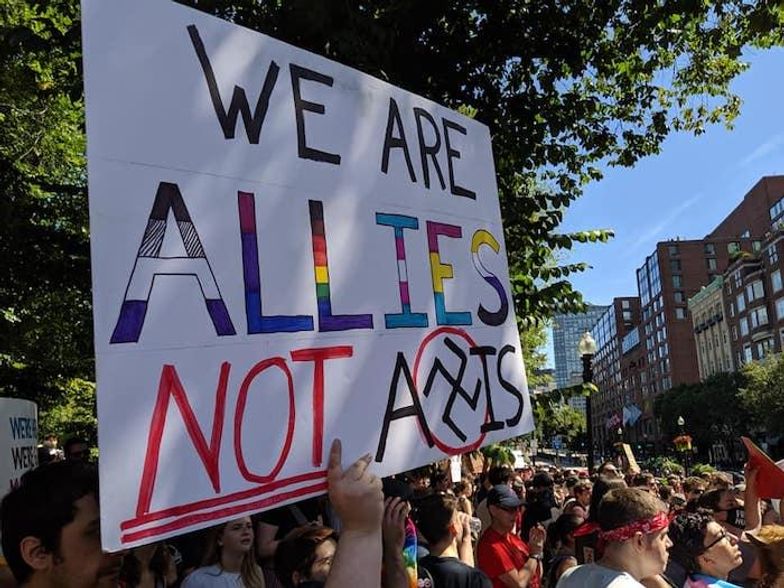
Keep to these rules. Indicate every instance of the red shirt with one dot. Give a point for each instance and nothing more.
(497, 554)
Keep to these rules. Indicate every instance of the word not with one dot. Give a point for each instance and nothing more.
(150, 263)
(429, 141)
(23, 427)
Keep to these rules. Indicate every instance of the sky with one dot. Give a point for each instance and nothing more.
(685, 190)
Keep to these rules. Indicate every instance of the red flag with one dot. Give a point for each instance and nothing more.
(770, 477)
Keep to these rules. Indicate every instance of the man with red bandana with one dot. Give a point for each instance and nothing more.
(633, 531)
(501, 554)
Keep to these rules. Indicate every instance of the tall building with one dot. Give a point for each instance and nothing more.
(761, 208)
(616, 374)
(567, 330)
(711, 330)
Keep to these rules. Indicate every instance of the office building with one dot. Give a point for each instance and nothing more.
(567, 330)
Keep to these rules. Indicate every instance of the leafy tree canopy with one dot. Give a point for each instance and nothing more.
(763, 393)
(565, 87)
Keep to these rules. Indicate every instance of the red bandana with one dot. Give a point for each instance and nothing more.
(645, 526)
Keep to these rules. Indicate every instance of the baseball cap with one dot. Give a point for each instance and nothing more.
(503, 496)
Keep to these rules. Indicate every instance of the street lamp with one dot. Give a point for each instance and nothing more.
(681, 422)
(587, 349)
(683, 444)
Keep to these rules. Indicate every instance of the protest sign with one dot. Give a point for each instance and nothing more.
(284, 251)
(19, 435)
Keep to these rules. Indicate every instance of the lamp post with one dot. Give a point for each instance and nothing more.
(587, 349)
(683, 444)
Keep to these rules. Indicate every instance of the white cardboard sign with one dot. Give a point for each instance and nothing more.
(284, 251)
(19, 440)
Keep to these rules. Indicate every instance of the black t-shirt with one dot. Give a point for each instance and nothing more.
(450, 572)
(288, 518)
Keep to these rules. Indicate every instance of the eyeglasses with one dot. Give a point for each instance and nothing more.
(722, 536)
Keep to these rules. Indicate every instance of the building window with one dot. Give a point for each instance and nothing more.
(754, 290)
(625, 304)
(777, 209)
(747, 357)
(736, 278)
(679, 296)
(741, 302)
(744, 327)
(756, 246)
(775, 280)
(758, 317)
(673, 250)
(773, 255)
(710, 249)
(733, 247)
(734, 333)
(677, 282)
(780, 309)
(711, 264)
(675, 265)
(680, 313)
(732, 308)
(745, 234)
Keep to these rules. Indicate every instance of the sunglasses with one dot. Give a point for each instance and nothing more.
(722, 536)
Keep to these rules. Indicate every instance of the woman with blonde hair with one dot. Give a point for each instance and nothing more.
(229, 560)
(770, 543)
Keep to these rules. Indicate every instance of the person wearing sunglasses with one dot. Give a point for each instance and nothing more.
(704, 549)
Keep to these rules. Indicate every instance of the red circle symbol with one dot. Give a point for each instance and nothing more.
(422, 346)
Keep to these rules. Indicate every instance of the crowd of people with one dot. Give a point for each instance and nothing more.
(544, 528)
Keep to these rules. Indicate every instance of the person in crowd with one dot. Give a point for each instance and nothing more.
(587, 535)
(693, 488)
(76, 449)
(441, 482)
(229, 560)
(149, 566)
(501, 554)
(400, 537)
(633, 527)
(560, 537)
(770, 544)
(674, 482)
(50, 530)
(582, 499)
(542, 506)
(646, 481)
(464, 491)
(447, 532)
(495, 476)
(304, 558)
(608, 469)
(704, 549)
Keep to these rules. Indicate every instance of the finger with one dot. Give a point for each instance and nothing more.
(335, 456)
(358, 468)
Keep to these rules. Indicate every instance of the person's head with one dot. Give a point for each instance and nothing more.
(582, 492)
(633, 527)
(560, 534)
(609, 470)
(500, 475)
(645, 481)
(155, 556)
(519, 487)
(435, 519)
(602, 486)
(693, 488)
(570, 483)
(463, 488)
(76, 449)
(230, 541)
(770, 545)
(503, 505)
(700, 544)
(51, 529)
(305, 554)
(721, 480)
(51, 441)
(441, 481)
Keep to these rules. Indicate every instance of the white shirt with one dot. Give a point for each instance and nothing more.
(596, 576)
(212, 577)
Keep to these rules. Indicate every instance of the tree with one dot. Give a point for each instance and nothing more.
(564, 86)
(763, 393)
(713, 410)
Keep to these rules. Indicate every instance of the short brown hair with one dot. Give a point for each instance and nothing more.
(297, 551)
(434, 514)
(692, 483)
(622, 506)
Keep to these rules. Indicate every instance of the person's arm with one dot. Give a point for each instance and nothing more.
(357, 498)
(751, 501)
(465, 550)
(266, 545)
(394, 535)
(521, 578)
